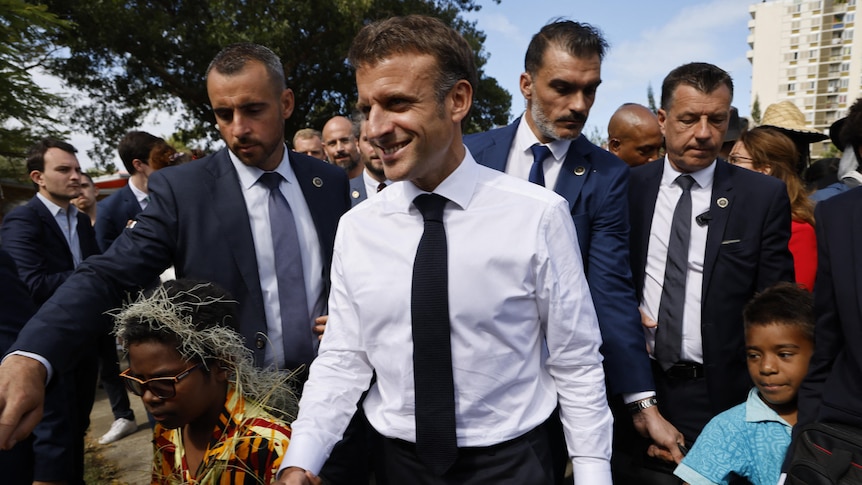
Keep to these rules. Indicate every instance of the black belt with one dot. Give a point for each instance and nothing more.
(685, 370)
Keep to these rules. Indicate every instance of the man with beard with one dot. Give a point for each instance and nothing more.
(373, 179)
(225, 218)
(563, 72)
(339, 140)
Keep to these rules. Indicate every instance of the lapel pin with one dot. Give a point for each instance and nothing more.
(317, 181)
(580, 171)
(722, 202)
(355, 194)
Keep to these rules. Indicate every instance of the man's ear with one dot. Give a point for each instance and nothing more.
(614, 145)
(461, 99)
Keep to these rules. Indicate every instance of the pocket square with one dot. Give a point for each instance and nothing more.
(730, 241)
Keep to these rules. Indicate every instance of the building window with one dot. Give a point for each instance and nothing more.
(791, 87)
(845, 67)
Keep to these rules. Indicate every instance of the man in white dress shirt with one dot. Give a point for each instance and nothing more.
(522, 329)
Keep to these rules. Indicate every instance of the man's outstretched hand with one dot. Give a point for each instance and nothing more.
(22, 395)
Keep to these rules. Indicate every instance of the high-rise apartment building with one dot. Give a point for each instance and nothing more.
(806, 51)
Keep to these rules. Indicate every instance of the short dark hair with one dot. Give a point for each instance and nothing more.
(422, 35)
(202, 304)
(36, 153)
(782, 304)
(702, 76)
(90, 179)
(851, 132)
(233, 58)
(137, 145)
(580, 40)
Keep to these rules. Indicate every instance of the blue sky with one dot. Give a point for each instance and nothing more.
(647, 38)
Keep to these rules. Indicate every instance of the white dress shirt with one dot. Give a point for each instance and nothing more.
(371, 184)
(67, 219)
(142, 197)
(668, 196)
(256, 197)
(524, 331)
(521, 157)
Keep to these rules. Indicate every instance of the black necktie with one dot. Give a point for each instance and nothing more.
(381, 186)
(436, 443)
(537, 171)
(668, 338)
(297, 339)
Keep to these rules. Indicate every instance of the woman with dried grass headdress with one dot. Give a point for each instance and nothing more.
(219, 419)
(769, 151)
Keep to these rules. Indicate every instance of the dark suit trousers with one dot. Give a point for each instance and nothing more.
(524, 460)
(109, 376)
(59, 438)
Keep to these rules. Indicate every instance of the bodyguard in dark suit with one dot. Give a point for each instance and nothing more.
(563, 71)
(832, 390)
(15, 309)
(736, 233)
(209, 219)
(120, 208)
(48, 238)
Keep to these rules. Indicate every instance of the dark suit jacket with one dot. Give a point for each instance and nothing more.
(595, 184)
(15, 305)
(113, 214)
(357, 190)
(34, 240)
(832, 390)
(746, 251)
(197, 221)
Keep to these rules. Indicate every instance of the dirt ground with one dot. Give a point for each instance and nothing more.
(131, 456)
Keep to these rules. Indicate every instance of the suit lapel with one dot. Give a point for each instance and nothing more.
(51, 223)
(232, 215)
(496, 154)
(646, 208)
(720, 208)
(574, 172)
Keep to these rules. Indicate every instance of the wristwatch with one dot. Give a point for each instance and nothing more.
(638, 406)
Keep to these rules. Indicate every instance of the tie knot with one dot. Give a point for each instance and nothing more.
(540, 152)
(381, 186)
(431, 206)
(271, 180)
(685, 181)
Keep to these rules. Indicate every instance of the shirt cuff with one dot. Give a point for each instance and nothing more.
(691, 476)
(591, 470)
(629, 398)
(49, 370)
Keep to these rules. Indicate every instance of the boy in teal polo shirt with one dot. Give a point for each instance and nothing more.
(750, 440)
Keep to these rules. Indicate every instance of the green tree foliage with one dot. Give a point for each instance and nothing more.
(132, 57)
(651, 99)
(755, 110)
(25, 108)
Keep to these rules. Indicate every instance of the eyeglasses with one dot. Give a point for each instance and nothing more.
(161, 387)
(737, 160)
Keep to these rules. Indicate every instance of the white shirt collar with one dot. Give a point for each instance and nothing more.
(458, 187)
(55, 209)
(140, 195)
(249, 175)
(525, 138)
(703, 177)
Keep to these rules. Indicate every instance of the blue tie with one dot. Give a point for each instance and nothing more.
(537, 171)
(436, 441)
(668, 337)
(296, 334)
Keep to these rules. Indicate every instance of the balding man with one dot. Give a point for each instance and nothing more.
(340, 137)
(634, 134)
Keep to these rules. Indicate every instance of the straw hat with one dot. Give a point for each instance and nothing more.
(786, 116)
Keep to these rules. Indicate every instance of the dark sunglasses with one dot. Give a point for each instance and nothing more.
(161, 387)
